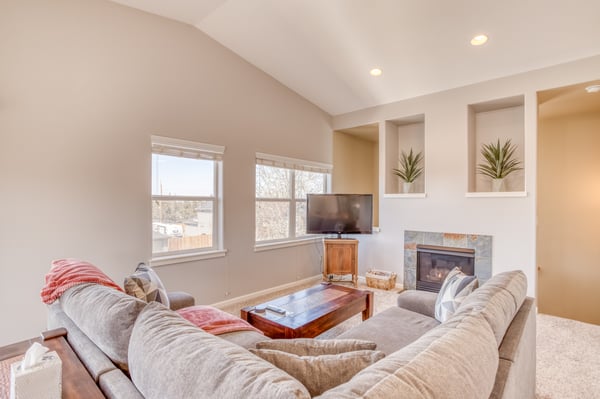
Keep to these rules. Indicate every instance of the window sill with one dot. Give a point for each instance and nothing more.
(405, 195)
(183, 258)
(498, 194)
(286, 244)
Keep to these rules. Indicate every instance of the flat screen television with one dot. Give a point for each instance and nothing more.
(339, 214)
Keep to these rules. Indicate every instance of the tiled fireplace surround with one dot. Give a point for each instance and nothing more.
(482, 245)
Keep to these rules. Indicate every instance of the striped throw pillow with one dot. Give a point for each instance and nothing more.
(456, 287)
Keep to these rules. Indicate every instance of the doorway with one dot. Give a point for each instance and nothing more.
(568, 202)
(356, 163)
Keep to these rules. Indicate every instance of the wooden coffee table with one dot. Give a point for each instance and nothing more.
(309, 312)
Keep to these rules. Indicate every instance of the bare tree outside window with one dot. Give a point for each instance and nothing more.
(281, 201)
(183, 203)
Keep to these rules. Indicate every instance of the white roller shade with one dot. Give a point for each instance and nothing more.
(291, 163)
(186, 149)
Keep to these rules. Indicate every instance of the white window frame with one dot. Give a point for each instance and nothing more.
(293, 165)
(190, 149)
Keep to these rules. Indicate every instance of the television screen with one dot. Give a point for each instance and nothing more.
(339, 214)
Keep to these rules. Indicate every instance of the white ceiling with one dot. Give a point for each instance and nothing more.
(324, 49)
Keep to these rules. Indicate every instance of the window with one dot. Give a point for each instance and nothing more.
(281, 188)
(186, 205)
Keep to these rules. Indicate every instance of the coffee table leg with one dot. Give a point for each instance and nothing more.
(368, 312)
(244, 314)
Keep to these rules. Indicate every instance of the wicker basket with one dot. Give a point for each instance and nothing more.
(381, 279)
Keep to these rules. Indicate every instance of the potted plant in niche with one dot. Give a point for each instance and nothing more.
(410, 168)
(499, 162)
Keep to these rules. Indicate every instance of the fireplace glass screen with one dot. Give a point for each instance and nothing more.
(434, 263)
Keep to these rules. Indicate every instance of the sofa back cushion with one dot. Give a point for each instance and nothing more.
(171, 358)
(95, 361)
(321, 372)
(498, 300)
(105, 315)
(316, 347)
(457, 359)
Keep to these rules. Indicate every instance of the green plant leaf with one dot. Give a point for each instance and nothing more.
(410, 168)
(499, 160)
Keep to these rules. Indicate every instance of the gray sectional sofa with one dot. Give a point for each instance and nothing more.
(138, 350)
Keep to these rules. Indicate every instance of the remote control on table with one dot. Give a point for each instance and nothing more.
(276, 309)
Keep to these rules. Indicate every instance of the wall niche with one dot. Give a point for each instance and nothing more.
(489, 121)
(402, 134)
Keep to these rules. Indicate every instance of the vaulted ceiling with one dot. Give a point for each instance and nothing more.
(324, 49)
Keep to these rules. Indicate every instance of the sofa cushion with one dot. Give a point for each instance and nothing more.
(115, 385)
(516, 372)
(454, 360)
(392, 329)
(180, 299)
(171, 358)
(515, 335)
(320, 373)
(245, 339)
(456, 287)
(498, 300)
(105, 315)
(146, 285)
(422, 302)
(95, 361)
(316, 347)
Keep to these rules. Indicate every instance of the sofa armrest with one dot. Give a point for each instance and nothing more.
(422, 302)
(179, 299)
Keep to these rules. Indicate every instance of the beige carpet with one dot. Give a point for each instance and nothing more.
(568, 359)
(568, 351)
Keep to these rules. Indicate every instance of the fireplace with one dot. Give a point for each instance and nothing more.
(434, 262)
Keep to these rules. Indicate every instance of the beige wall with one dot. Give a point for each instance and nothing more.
(568, 215)
(355, 168)
(84, 84)
(446, 208)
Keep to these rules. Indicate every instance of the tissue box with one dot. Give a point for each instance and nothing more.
(42, 381)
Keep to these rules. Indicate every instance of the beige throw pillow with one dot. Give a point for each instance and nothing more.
(316, 347)
(321, 373)
(145, 284)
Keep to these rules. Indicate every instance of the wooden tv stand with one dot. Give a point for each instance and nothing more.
(340, 256)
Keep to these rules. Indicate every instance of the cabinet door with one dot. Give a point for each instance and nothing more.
(340, 258)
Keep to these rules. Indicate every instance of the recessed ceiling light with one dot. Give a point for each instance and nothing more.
(593, 89)
(375, 72)
(479, 40)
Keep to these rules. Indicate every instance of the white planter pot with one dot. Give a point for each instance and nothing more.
(497, 185)
(407, 187)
